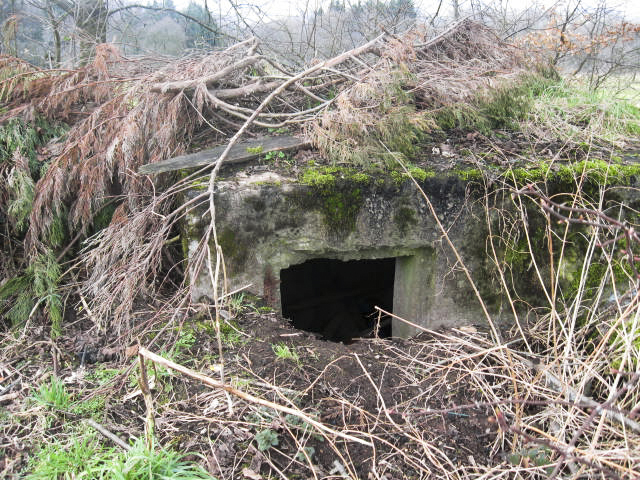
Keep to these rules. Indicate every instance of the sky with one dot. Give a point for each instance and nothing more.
(280, 8)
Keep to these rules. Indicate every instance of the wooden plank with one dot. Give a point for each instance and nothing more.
(241, 152)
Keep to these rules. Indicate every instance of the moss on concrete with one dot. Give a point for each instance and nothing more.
(469, 174)
(323, 177)
(233, 247)
(339, 194)
(420, 174)
(184, 241)
(199, 184)
(595, 172)
(405, 218)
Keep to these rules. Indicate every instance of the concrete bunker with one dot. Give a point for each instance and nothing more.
(278, 229)
(280, 244)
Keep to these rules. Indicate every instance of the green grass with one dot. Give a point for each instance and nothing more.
(53, 395)
(92, 407)
(284, 352)
(623, 87)
(571, 111)
(140, 464)
(230, 335)
(82, 458)
(238, 304)
(86, 458)
(502, 107)
(103, 375)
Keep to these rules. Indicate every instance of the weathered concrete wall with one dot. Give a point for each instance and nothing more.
(267, 222)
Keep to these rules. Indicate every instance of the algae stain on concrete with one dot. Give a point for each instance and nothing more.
(234, 248)
(405, 218)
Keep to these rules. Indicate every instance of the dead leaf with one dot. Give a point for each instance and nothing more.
(468, 329)
(131, 351)
(251, 475)
(109, 353)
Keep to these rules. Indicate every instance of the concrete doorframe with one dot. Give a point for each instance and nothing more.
(413, 291)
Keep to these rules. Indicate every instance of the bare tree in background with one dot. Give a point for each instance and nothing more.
(70, 29)
(322, 32)
(90, 18)
(585, 39)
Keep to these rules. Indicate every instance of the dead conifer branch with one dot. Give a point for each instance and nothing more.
(250, 89)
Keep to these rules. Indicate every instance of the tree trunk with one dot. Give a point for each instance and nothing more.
(57, 42)
(456, 10)
(90, 17)
(91, 20)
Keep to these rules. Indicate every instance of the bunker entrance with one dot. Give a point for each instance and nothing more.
(336, 299)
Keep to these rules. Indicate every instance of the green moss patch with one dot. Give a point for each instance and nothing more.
(339, 193)
(233, 247)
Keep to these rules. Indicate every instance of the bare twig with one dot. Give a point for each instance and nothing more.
(114, 438)
(245, 396)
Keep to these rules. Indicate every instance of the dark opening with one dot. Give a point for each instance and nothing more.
(336, 299)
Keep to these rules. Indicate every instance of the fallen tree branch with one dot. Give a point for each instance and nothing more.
(213, 96)
(246, 396)
(150, 423)
(252, 88)
(174, 87)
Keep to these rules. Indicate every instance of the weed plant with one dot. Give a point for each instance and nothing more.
(266, 439)
(53, 395)
(284, 352)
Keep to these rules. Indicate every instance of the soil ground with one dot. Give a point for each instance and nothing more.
(376, 390)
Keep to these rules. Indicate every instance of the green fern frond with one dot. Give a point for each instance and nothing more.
(37, 285)
(22, 192)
